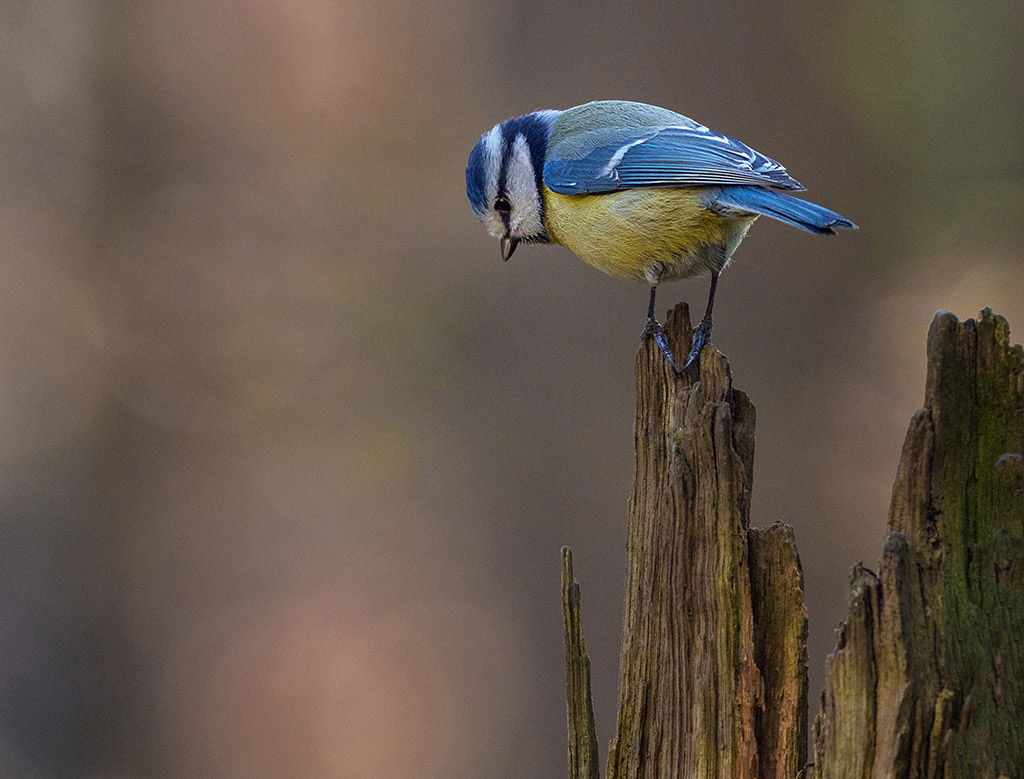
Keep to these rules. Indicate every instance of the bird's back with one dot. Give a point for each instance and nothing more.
(603, 114)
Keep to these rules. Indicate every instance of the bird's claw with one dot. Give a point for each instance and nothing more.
(701, 333)
(656, 330)
(700, 337)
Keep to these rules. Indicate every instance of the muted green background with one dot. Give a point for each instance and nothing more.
(288, 453)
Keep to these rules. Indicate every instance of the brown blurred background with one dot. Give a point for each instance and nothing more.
(288, 453)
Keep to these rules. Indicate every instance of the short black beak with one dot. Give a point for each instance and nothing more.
(508, 245)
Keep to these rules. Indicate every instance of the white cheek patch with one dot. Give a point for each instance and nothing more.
(521, 184)
(492, 162)
(492, 169)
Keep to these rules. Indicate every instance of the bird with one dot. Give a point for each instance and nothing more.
(639, 192)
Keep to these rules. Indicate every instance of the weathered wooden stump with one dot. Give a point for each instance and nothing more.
(706, 600)
(928, 677)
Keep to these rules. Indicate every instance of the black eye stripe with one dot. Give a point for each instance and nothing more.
(507, 144)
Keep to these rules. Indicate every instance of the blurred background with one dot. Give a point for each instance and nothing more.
(288, 453)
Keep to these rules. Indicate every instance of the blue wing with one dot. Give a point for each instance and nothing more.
(611, 159)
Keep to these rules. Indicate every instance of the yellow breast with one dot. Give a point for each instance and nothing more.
(627, 233)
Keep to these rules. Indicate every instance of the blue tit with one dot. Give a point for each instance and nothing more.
(637, 191)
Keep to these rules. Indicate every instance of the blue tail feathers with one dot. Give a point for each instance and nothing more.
(786, 208)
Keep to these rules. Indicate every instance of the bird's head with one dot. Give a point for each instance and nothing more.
(504, 179)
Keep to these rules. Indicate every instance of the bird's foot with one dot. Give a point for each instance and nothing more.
(701, 334)
(655, 329)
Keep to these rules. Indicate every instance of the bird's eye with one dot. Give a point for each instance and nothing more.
(502, 205)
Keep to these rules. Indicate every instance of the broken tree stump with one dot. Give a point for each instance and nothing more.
(927, 679)
(705, 599)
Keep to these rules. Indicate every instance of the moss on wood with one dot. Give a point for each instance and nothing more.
(939, 687)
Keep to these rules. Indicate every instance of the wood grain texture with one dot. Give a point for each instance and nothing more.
(927, 679)
(780, 650)
(689, 687)
(583, 756)
(693, 702)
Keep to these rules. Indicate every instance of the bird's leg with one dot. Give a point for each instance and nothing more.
(702, 332)
(654, 328)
